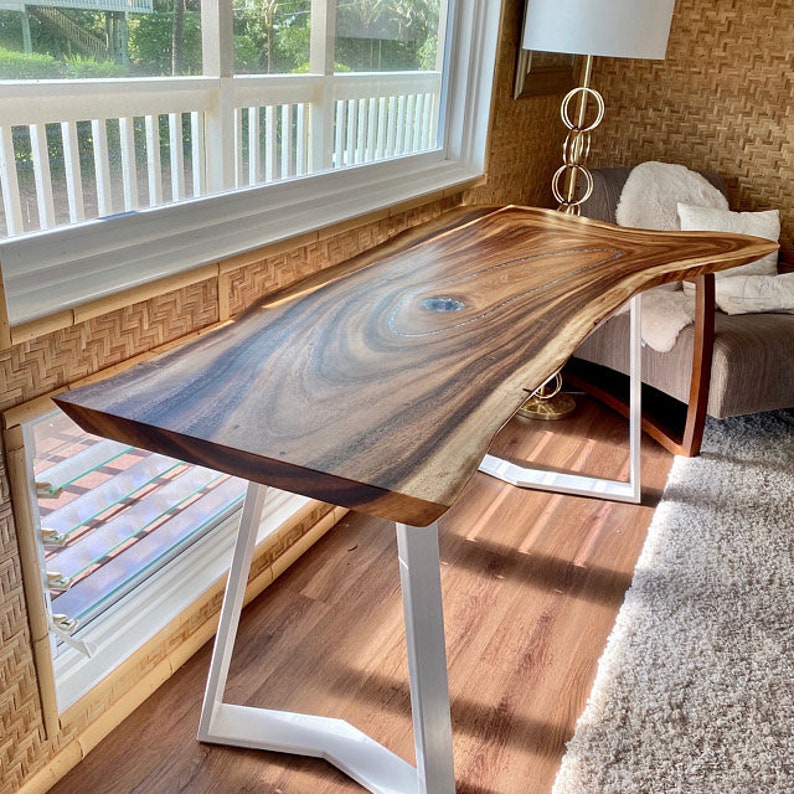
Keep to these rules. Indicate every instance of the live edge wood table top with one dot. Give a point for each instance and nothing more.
(378, 384)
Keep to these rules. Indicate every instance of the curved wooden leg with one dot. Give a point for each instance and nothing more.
(702, 355)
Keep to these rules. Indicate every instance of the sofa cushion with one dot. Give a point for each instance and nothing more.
(759, 224)
(754, 294)
(752, 367)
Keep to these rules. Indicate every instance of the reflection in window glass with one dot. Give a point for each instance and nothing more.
(112, 515)
(271, 36)
(386, 35)
(99, 39)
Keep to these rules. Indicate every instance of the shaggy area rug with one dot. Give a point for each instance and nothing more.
(695, 691)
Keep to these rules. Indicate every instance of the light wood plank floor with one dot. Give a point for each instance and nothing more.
(532, 583)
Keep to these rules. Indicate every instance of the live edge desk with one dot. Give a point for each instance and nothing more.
(378, 385)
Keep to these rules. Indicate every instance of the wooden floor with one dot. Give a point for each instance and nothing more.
(532, 583)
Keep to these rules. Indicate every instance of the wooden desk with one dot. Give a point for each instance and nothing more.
(378, 385)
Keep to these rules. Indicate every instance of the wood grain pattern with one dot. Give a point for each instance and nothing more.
(380, 386)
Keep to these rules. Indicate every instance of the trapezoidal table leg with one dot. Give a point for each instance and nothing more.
(361, 758)
(582, 485)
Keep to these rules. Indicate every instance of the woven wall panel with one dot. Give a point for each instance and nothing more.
(720, 101)
(250, 282)
(13, 619)
(20, 718)
(54, 360)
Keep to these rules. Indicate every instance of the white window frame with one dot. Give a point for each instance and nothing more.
(48, 272)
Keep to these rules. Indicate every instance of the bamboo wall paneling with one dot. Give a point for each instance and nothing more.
(22, 723)
(27, 528)
(720, 101)
(5, 325)
(25, 332)
(55, 352)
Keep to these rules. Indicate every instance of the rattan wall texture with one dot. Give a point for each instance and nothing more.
(721, 101)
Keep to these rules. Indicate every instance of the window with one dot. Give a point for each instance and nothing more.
(112, 515)
(217, 164)
(125, 541)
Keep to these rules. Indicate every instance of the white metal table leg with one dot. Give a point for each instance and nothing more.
(427, 658)
(232, 606)
(356, 754)
(581, 485)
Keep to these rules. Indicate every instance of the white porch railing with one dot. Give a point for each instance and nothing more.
(71, 150)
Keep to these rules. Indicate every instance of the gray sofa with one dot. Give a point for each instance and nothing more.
(753, 354)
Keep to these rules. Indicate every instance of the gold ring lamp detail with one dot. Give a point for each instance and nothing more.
(610, 28)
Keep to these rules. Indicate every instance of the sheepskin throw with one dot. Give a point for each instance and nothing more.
(653, 190)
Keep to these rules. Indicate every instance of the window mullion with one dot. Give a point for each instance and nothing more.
(321, 61)
(217, 42)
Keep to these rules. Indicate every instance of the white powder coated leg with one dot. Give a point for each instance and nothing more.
(581, 485)
(232, 605)
(427, 658)
(362, 758)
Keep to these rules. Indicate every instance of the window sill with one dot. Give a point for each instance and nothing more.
(97, 259)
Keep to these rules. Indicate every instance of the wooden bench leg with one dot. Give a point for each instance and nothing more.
(702, 355)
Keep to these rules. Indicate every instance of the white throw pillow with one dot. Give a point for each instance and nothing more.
(764, 224)
(748, 294)
(652, 191)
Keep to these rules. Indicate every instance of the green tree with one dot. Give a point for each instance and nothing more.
(387, 34)
(178, 38)
(151, 42)
(280, 31)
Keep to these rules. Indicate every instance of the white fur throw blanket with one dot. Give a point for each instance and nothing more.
(649, 200)
(664, 314)
(650, 197)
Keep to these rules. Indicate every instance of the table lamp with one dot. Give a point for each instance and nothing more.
(615, 28)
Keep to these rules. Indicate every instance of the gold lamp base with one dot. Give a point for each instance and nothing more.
(558, 407)
(548, 403)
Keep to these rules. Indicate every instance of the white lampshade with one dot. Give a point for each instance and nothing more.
(618, 28)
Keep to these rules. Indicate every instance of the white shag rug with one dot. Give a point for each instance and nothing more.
(695, 691)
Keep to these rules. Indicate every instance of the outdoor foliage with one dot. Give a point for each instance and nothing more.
(270, 37)
(150, 43)
(78, 66)
(23, 66)
(34, 66)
